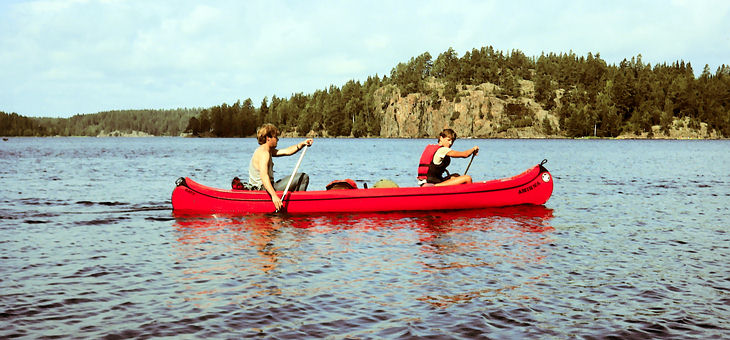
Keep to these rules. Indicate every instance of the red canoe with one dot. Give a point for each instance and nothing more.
(534, 186)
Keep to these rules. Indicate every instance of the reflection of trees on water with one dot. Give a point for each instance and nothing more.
(440, 258)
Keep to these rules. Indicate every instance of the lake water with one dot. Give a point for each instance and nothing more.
(634, 243)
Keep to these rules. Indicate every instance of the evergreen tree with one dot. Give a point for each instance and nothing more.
(544, 91)
(263, 112)
(336, 123)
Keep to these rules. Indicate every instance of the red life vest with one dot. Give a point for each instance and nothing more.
(426, 159)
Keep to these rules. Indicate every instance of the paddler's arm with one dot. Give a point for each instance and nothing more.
(463, 154)
(293, 149)
(263, 165)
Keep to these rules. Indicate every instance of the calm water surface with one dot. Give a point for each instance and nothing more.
(633, 243)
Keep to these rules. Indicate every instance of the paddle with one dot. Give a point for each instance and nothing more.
(291, 178)
(467, 167)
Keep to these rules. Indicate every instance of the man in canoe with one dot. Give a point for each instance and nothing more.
(261, 167)
(437, 157)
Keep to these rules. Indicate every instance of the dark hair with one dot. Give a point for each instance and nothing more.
(448, 133)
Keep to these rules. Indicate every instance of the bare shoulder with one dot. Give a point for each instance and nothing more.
(261, 154)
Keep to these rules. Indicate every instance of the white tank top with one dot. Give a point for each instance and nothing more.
(254, 177)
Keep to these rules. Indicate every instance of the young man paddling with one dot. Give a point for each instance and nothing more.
(261, 167)
(436, 158)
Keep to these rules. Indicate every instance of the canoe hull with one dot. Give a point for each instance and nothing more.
(534, 186)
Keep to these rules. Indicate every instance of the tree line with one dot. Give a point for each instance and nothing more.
(339, 111)
(586, 94)
(153, 122)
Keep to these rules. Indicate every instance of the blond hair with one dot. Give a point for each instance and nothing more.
(266, 130)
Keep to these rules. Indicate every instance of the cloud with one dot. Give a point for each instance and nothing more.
(79, 56)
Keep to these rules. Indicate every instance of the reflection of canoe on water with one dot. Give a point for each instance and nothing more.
(534, 186)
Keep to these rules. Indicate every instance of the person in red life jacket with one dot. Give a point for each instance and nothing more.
(437, 157)
(261, 167)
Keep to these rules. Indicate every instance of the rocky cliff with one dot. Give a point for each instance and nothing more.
(476, 111)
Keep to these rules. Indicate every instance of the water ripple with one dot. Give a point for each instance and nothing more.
(627, 247)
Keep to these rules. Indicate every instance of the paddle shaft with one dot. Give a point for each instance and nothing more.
(467, 167)
(291, 178)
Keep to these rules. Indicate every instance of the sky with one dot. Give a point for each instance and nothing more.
(65, 57)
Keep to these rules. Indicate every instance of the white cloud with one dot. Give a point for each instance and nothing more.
(77, 56)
